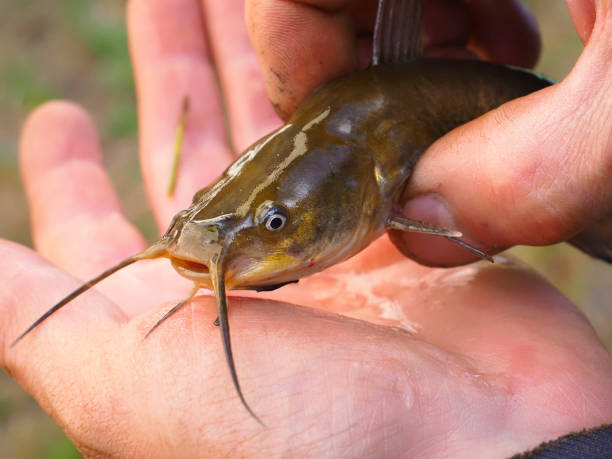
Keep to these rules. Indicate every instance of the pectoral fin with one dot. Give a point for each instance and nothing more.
(398, 222)
(175, 308)
(402, 223)
(269, 288)
(398, 32)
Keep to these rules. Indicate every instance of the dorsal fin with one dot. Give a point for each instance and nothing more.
(398, 32)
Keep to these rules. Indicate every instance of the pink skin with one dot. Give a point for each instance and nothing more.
(394, 358)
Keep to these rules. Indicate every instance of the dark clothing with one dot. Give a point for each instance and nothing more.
(588, 444)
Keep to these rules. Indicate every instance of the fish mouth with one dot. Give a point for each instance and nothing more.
(190, 269)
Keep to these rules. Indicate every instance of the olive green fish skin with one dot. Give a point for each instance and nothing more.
(336, 168)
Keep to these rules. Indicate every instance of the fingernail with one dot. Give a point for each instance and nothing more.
(435, 250)
(431, 208)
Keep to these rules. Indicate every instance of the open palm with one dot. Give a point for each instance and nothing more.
(376, 356)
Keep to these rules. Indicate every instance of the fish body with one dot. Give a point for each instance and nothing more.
(335, 170)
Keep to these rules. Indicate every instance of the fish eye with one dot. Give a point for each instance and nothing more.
(275, 220)
(272, 216)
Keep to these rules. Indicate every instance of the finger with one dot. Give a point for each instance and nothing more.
(445, 35)
(504, 31)
(76, 217)
(447, 22)
(583, 14)
(250, 113)
(535, 171)
(171, 61)
(77, 220)
(300, 45)
(27, 285)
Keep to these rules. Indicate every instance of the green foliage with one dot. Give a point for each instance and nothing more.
(103, 35)
(123, 120)
(5, 408)
(25, 87)
(104, 41)
(61, 448)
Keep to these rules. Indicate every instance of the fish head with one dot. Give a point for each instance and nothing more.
(272, 243)
(274, 216)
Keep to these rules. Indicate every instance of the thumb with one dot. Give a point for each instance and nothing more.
(535, 171)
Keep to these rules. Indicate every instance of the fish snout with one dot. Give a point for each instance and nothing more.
(196, 247)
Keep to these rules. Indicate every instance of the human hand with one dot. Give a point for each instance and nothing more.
(535, 172)
(479, 358)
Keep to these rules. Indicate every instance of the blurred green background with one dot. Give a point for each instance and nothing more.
(77, 49)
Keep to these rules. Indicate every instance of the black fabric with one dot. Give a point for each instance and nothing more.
(589, 444)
